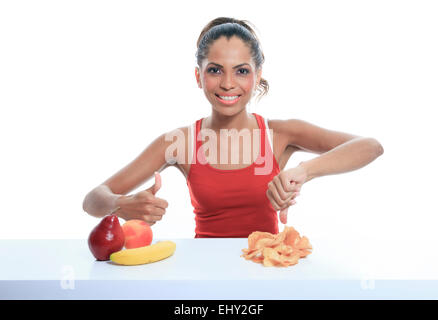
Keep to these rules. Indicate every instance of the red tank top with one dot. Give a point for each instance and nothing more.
(232, 203)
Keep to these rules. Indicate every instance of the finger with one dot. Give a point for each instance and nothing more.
(274, 204)
(157, 184)
(288, 204)
(283, 215)
(147, 198)
(160, 203)
(291, 200)
(156, 211)
(288, 185)
(298, 187)
(152, 218)
(275, 194)
(150, 209)
(280, 189)
(137, 215)
(272, 200)
(156, 218)
(150, 223)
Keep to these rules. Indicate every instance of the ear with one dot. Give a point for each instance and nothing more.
(198, 77)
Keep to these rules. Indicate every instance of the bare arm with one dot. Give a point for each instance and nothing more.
(105, 198)
(100, 201)
(339, 152)
(349, 156)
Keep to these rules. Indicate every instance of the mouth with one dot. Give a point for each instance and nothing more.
(228, 100)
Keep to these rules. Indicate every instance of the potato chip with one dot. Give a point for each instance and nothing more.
(281, 250)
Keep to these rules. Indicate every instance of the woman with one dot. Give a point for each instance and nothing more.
(231, 200)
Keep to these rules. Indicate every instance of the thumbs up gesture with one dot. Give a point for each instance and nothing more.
(156, 186)
(144, 205)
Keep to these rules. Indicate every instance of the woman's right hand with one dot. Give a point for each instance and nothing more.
(143, 205)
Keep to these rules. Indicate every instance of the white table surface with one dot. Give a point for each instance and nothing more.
(199, 269)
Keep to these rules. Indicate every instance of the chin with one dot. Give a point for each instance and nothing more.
(229, 111)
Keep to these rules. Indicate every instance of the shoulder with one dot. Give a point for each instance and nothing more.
(178, 137)
(178, 143)
(277, 124)
(178, 131)
(285, 128)
(169, 144)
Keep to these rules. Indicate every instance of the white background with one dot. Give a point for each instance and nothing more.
(85, 86)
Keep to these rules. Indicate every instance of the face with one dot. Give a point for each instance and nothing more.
(229, 71)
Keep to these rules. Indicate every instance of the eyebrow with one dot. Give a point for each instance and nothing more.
(235, 67)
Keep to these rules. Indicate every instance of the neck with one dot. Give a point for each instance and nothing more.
(238, 121)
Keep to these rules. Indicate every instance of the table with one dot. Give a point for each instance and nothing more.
(200, 269)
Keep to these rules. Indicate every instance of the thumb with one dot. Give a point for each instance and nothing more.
(157, 184)
(283, 215)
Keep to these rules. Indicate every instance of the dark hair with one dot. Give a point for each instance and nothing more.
(229, 27)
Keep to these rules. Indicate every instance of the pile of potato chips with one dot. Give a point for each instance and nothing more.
(281, 250)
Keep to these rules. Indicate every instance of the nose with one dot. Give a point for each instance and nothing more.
(227, 82)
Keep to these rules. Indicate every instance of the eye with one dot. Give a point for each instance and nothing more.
(212, 68)
(246, 71)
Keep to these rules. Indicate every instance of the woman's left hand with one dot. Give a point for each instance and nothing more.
(284, 188)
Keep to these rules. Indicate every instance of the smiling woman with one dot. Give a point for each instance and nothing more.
(231, 200)
(239, 32)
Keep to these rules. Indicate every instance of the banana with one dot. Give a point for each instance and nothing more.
(142, 255)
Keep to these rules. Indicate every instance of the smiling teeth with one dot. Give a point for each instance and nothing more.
(228, 98)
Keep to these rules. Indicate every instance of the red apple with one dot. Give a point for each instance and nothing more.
(107, 237)
(137, 234)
